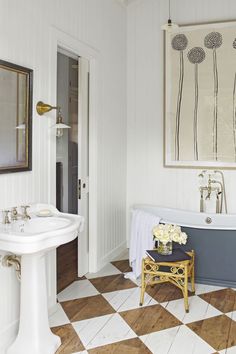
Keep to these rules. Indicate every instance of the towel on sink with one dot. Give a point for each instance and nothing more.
(141, 239)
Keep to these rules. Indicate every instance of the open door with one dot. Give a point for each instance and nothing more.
(83, 165)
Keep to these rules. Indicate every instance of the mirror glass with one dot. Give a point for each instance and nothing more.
(15, 117)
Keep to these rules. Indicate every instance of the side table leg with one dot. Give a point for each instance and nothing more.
(186, 289)
(142, 284)
(193, 278)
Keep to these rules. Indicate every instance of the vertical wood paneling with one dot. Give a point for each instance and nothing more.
(147, 180)
(25, 40)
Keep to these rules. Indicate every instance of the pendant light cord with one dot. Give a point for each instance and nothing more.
(169, 19)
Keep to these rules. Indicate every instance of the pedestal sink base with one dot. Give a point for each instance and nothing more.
(34, 336)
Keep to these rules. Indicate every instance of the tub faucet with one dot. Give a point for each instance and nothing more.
(213, 185)
(209, 188)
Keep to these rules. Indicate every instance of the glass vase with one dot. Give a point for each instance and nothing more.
(164, 249)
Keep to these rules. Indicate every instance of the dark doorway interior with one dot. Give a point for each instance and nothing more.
(67, 163)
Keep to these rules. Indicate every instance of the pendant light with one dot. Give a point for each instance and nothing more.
(169, 26)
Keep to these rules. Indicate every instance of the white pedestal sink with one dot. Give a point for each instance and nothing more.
(32, 239)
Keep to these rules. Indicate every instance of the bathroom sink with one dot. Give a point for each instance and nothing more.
(32, 239)
(39, 225)
(39, 233)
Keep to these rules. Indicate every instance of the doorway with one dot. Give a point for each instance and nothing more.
(72, 163)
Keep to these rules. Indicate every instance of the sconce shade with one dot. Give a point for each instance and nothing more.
(60, 126)
(43, 108)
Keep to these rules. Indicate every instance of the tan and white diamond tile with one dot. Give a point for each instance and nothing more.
(224, 300)
(59, 317)
(101, 314)
(231, 350)
(129, 346)
(176, 340)
(109, 269)
(103, 330)
(232, 315)
(112, 283)
(71, 342)
(149, 319)
(88, 307)
(219, 331)
(204, 288)
(77, 290)
(128, 299)
(198, 309)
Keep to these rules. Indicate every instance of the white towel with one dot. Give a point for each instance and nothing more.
(141, 239)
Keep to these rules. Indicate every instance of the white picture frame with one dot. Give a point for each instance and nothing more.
(200, 96)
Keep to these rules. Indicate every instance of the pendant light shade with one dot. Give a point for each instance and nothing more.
(43, 108)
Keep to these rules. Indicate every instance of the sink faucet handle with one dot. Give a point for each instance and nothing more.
(5, 217)
(14, 213)
(25, 214)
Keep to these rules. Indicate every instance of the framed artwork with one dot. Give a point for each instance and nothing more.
(200, 96)
(16, 89)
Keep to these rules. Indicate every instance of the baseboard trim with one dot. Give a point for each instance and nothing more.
(111, 255)
(216, 282)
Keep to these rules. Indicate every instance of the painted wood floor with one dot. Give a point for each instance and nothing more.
(100, 314)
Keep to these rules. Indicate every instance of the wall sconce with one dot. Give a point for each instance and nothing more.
(43, 108)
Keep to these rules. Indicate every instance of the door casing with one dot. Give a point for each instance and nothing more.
(80, 49)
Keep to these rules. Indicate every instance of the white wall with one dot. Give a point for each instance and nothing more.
(25, 39)
(148, 181)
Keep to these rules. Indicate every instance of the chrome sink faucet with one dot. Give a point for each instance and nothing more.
(5, 217)
(14, 215)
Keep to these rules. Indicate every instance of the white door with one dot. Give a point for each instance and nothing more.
(83, 165)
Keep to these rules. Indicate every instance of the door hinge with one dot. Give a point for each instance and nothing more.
(79, 189)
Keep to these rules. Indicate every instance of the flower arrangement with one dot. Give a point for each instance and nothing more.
(166, 233)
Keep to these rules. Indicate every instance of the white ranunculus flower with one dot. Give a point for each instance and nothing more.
(168, 232)
(175, 236)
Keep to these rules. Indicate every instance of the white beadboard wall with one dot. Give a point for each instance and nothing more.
(147, 180)
(25, 28)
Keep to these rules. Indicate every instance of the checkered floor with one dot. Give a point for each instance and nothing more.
(100, 313)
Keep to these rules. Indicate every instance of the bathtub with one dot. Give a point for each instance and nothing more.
(212, 236)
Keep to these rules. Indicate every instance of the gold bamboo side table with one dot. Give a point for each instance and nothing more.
(177, 273)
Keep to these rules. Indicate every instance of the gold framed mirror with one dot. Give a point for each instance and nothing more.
(16, 86)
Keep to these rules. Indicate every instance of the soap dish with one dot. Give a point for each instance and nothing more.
(44, 213)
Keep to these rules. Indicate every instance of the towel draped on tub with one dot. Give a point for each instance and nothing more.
(141, 239)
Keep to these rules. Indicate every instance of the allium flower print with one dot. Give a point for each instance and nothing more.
(179, 43)
(213, 41)
(196, 56)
